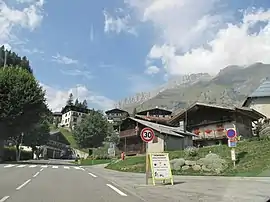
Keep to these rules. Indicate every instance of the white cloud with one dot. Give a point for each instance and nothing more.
(77, 72)
(152, 70)
(117, 24)
(29, 17)
(57, 98)
(191, 37)
(64, 60)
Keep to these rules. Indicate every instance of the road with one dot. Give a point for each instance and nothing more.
(57, 182)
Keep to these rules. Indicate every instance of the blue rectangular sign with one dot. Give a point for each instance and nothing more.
(231, 144)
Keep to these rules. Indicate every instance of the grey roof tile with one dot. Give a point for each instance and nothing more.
(262, 91)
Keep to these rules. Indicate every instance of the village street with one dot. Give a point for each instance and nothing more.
(59, 182)
(188, 188)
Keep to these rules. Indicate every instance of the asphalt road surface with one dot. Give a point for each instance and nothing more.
(59, 182)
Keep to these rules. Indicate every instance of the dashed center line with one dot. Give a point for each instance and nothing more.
(77, 168)
(36, 174)
(92, 174)
(8, 166)
(55, 167)
(21, 166)
(4, 198)
(66, 167)
(44, 166)
(32, 166)
(21, 186)
(116, 190)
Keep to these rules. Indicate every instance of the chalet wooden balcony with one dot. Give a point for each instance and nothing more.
(127, 133)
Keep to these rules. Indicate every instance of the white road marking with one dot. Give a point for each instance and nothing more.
(8, 166)
(116, 190)
(77, 168)
(55, 167)
(36, 174)
(32, 166)
(4, 198)
(44, 166)
(92, 174)
(21, 166)
(41, 169)
(21, 186)
(66, 167)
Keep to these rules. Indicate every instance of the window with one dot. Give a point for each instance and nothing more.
(75, 119)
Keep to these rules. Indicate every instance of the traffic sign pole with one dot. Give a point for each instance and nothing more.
(147, 135)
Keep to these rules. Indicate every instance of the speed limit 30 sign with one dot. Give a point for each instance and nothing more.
(147, 134)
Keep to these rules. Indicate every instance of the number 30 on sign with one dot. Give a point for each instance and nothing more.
(147, 134)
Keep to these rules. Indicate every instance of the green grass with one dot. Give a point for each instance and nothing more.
(253, 159)
(69, 136)
(88, 162)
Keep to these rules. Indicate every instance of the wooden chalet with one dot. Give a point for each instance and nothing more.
(116, 116)
(155, 112)
(166, 137)
(209, 122)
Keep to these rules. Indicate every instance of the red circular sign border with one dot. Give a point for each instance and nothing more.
(153, 134)
(234, 133)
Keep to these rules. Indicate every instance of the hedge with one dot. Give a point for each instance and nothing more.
(10, 154)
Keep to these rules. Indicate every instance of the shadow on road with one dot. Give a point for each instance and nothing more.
(174, 183)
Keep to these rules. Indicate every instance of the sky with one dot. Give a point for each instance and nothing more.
(104, 51)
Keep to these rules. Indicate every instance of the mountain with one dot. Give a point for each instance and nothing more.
(230, 86)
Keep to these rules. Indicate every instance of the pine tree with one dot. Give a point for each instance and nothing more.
(76, 102)
(70, 100)
(84, 104)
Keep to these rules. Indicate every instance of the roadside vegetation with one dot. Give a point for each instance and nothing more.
(24, 114)
(253, 159)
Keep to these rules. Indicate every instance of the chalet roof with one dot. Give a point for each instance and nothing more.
(115, 110)
(262, 91)
(58, 137)
(153, 109)
(68, 108)
(174, 131)
(57, 114)
(255, 115)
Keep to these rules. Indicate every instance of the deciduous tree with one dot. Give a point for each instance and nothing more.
(22, 102)
(92, 130)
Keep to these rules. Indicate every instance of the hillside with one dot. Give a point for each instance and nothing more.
(230, 87)
(253, 159)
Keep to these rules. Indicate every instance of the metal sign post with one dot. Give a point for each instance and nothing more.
(147, 135)
(232, 142)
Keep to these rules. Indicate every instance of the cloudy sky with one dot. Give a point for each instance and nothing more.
(105, 50)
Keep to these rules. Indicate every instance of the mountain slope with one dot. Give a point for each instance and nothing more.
(230, 87)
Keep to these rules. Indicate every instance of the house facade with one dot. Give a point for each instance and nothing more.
(116, 116)
(260, 99)
(57, 117)
(57, 147)
(155, 112)
(166, 138)
(72, 116)
(210, 122)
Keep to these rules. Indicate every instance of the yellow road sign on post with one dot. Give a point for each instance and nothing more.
(160, 167)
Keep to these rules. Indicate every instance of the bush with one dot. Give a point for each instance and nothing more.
(191, 151)
(213, 162)
(10, 154)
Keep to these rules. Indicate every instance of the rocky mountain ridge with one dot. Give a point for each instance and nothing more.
(229, 87)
